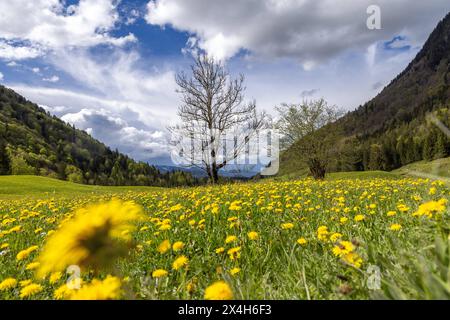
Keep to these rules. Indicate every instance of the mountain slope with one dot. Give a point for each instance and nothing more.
(34, 142)
(394, 128)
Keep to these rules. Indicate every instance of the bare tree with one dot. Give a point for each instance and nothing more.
(212, 114)
(301, 126)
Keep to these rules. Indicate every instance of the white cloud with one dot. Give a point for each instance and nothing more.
(309, 31)
(49, 24)
(12, 64)
(120, 76)
(52, 79)
(8, 51)
(144, 144)
(36, 70)
(1, 76)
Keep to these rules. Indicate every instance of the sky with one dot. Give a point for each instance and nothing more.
(108, 66)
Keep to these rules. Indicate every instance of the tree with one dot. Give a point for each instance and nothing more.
(212, 111)
(5, 163)
(302, 129)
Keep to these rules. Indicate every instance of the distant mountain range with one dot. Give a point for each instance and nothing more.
(230, 171)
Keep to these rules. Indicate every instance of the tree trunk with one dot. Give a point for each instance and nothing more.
(317, 169)
(214, 173)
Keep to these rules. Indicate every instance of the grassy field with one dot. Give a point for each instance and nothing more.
(439, 168)
(19, 186)
(362, 175)
(372, 236)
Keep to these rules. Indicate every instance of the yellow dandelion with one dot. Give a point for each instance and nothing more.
(93, 237)
(164, 246)
(230, 239)
(7, 284)
(177, 246)
(54, 277)
(180, 262)
(234, 253)
(322, 233)
(219, 290)
(159, 273)
(253, 235)
(32, 266)
(25, 253)
(107, 289)
(395, 227)
(235, 271)
(220, 250)
(287, 226)
(29, 290)
(302, 241)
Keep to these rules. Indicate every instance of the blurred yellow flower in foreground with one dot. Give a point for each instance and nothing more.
(107, 289)
(93, 237)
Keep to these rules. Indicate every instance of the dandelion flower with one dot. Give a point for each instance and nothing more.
(164, 246)
(253, 235)
(432, 207)
(32, 266)
(25, 253)
(30, 290)
(230, 239)
(287, 226)
(7, 284)
(54, 277)
(93, 237)
(220, 250)
(235, 271)
(177, 246)
(234, 253)
(63, 292)
(107, 289)
(301, 241)
(219, 290)
(180, 262)
(159, 273)
(359, 217)
(395, 227)
(322, 233)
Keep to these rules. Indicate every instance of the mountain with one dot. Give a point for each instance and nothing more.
(34, 142)
(398, 126)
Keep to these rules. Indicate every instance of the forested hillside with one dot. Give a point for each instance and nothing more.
(34, 142)
(398, 126)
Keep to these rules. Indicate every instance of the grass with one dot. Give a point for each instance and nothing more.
(340, 175)
(344, 222)
(438, 169)
(18, 186)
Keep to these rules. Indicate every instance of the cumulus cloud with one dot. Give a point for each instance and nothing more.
(139, 143)
(49, 24)
(9, 51)
(1, 76)
(309, 31)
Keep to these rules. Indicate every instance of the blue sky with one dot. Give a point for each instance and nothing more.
(108, 66)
